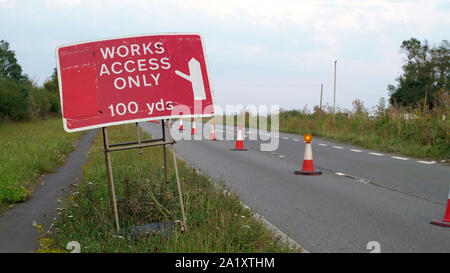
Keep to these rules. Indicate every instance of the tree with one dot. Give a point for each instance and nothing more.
(9, 68)
(51, 84)
(425, 74)
(381, 107)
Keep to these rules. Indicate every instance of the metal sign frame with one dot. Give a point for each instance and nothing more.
(139, 144)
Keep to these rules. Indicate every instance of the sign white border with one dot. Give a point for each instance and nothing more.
(134, 120)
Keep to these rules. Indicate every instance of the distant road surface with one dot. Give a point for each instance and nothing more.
(362, 195)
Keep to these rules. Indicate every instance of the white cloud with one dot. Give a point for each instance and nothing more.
(7, 3)
(322, 15)
(61, 3)
(251, 49)
(328, 18)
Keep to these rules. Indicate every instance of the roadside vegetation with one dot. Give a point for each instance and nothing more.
(21, 98)
(24, 101)
(28, 150)
(32, 139)
(413, 122)
(395, 130)
(416, 121)
(216, 222)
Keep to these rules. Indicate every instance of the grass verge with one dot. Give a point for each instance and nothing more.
(216, 222)
(422, 137)
(28, 150)
(417, 134)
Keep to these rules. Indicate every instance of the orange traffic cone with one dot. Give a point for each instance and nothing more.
(181, 125)
(193, 131)
(239, 141)
(446, 221)
(212, 136)
(308, 165)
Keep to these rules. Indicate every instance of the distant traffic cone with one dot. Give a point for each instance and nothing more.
(308, 165)
(239, 141)
(193, 131)
(212, 136)
(446, 221)
(181, 125)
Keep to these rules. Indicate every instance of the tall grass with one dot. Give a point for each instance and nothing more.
(28, 150)
(216, 222)
(412, 132)
(398, 130)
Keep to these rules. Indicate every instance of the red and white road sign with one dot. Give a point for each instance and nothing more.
(131, 79)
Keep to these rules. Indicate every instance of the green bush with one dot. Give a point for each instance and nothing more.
(55, 105)
(11, 193)
(394, 129)
(39, 103)
(20, 98)
(401, 130)
(24, 101)
(13, 100)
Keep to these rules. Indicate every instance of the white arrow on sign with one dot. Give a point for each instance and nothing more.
(195, 78)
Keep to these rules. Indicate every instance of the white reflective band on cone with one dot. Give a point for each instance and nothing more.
(308, 152)
(239, 136)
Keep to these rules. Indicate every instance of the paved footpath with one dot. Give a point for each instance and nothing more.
(17, 234)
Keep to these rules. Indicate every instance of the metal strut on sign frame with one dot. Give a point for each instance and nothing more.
(139, 144)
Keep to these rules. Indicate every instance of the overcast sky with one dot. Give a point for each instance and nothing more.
(259, 52)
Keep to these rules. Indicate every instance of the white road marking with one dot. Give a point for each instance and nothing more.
(426, 162)
(401, 158)
(362, 180)
(340, 148)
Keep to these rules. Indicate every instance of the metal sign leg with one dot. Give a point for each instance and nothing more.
(166, 183)
(112, 193)
(138, 136)
(178, 179)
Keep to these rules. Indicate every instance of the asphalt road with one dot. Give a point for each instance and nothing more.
(362, 195)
